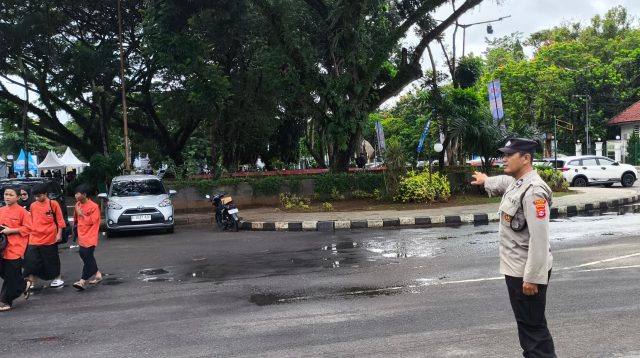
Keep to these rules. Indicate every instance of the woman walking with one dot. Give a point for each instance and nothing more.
(16, 224)
(87, 218)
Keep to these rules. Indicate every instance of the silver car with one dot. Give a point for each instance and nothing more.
(138, 202)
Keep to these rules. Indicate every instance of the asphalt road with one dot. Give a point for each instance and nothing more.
(411, 293)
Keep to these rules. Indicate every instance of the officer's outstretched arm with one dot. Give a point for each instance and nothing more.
(536, 210)
(497, 185)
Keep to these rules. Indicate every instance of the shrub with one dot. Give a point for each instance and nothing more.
(361, 194)
(327, 206)
(423, 188)
(293, 201)
(554, 179)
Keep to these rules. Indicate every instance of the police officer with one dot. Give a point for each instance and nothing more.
(525, 254)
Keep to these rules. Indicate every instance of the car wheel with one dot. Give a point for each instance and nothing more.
(628, 179)
(608, 185)
(580, 182)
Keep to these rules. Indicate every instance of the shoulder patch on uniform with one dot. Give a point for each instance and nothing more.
(541, 208)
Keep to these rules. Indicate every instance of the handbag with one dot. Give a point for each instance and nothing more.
(4, 241)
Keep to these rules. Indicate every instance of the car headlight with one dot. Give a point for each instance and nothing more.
(113, 205)
(165, 202)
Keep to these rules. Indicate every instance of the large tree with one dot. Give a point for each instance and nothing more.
(348, 58)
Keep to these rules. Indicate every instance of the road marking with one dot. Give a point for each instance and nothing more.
(610, 268)
(602, 261)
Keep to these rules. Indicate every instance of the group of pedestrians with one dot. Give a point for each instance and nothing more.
(33, 229)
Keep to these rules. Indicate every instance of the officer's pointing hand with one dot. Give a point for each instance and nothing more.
(529, 289)
(478, 178)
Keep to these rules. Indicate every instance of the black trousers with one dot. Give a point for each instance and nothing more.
(42, 261)
(535, 338)
(13, 285)
(90, 267)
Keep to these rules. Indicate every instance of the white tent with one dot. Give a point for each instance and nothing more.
(51, 161)
(70, 160)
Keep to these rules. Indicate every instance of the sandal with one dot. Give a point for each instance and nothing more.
(27, 290)
(95, 280)
(79, 286)
(4, 307)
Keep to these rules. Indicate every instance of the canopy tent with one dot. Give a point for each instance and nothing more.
(51, 161)
(70, 159)
(18, 165)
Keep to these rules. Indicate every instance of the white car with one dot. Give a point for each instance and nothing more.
(594, 170)
(138, 202)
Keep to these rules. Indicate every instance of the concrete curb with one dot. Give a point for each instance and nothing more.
(405, 222)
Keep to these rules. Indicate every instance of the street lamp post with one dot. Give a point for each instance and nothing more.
(489, 29)
(587, 99)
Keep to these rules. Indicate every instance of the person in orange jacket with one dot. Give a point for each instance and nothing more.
(16, 224)
(42, 258)
(87, 219)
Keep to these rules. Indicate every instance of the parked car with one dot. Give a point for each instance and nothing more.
(55, 193)
(138, 202)
(594, 170)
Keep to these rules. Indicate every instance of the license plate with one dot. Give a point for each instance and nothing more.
(141, 218)
(233, 211)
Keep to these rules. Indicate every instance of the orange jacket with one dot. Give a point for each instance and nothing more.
(15, 217)
(89, 225)
(43, 227)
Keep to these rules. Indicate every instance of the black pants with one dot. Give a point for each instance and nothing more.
(13, 285)
(42, 261)
(90, 267)
(535, 339)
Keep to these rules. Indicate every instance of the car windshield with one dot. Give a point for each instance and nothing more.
(137, 188)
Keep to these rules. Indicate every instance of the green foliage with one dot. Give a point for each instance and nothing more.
(553, 178)
(102, 169)
(361, 194)
(395, 163)
(633, 150)
(423, 188)
(293, 201)
(326, 206)
(326, 185)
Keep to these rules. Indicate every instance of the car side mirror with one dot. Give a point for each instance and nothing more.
(616, 163)
(172, 192)
(103, 196)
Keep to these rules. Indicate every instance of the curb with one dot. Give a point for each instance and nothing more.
(405, 222)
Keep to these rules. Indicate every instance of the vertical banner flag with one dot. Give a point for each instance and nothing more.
(380, 135)
(495, 100)
(424, 135)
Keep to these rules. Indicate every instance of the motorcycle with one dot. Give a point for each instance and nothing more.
(226, 211)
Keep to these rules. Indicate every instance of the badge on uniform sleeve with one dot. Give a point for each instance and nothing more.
(541, 208)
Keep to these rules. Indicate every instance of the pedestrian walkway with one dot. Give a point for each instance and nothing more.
(274, 219)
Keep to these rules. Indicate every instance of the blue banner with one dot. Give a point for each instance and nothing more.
(424, 135)
(495, 100)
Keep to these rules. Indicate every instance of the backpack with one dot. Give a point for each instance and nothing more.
(65, 231)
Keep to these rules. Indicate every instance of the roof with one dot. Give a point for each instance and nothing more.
(71, 160)
(629, 115)
(51, 162)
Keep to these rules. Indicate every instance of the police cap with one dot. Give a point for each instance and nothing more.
(519, 145)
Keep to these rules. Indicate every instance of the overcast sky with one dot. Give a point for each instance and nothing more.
(529, 16)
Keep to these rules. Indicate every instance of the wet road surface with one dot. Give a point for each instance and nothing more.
(419, 292)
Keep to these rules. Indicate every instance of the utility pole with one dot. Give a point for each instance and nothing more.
(127, 150)
(586, 98)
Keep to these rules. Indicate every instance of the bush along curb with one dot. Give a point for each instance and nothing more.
(431, 221)
(425, 221)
